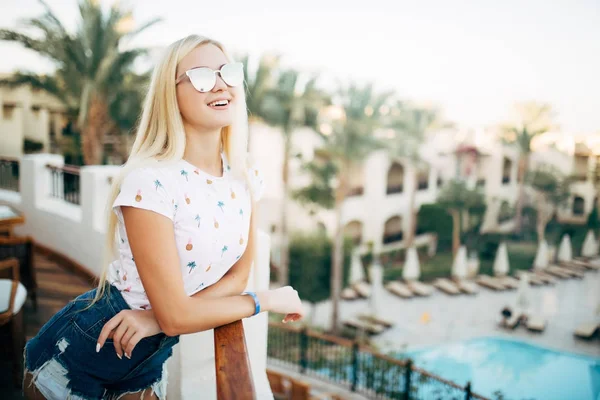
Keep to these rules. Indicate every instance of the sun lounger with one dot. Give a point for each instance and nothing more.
(419, 288)
(569, 272)
(587, 330)
(589, 260)
(508, 281)
(543, 277)
(465, 286)
(593, 264)
(534, 278)
(446, 286)
(399, 289)
(513, 321)
(535, 323)
(376, 320)
(349, 294)
(573, 267)
(489, 282)
(558, 272)
(365, 326)
(363, 289)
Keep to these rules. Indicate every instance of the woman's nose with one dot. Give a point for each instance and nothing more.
(220, 84)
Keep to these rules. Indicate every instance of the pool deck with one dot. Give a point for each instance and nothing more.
(455, 318)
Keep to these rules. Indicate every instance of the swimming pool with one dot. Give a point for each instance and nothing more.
(517, 369)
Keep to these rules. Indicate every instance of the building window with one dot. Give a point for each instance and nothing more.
(356, 185)
(506, 170)
(506, 212)
(353, 230)
(423, 179)
(7, 110)
(273, 228)
(581, 167)
(393, 230)
(395, 179)
(578, 205)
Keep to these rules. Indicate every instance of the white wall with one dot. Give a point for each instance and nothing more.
(11, 132)
(78, 232)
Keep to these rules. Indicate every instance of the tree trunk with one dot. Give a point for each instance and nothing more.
(544, 213)
(412, 215)
(283, 233)
(97, 124)
(455, 230)
(522, 170)
(337, 256)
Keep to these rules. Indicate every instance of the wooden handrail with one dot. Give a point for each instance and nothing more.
(69, 169)
(234, 376)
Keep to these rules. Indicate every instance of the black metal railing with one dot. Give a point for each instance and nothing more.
(391, 189)
(9, 173)
(65, 183)
(355, 191)
(393, 237)
(357, 368)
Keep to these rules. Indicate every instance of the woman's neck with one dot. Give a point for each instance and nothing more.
(203, 149)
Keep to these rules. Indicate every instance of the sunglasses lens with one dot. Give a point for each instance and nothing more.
(233, 74)
(203, 79)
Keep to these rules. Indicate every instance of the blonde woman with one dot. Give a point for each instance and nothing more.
(181, 218)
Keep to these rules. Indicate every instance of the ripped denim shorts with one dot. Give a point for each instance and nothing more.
(64, 364)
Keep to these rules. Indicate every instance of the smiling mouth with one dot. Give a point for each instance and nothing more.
(219, 104)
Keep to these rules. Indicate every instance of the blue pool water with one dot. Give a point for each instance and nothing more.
(519, 370)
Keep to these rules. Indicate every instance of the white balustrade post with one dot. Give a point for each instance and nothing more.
(35, 179)
(95, 189)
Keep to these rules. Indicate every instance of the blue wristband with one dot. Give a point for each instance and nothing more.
(256, 302)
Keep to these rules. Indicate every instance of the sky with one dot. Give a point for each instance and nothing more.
(473, 58)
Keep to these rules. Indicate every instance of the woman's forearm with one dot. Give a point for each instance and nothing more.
(201, 314)
(232, 283)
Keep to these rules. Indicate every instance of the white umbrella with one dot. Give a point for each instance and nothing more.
(357, 273)
(376, 298)
(459, 266)
(590, 246)
(501, 266)
(412, 268)
(565, 250)
(523, 301)
(541, 257)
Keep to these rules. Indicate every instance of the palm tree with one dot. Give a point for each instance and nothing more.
(289, 104)
(93, 77)
(457, 198)
(349, 137)
(258, 84)
(409, 127)
(531, 120)
(552, 191)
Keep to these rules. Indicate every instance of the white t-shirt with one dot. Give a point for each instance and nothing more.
(211, 219)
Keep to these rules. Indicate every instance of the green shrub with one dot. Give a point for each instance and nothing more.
(593, 221)
(32, 146)
(310, 265)
(434, 218)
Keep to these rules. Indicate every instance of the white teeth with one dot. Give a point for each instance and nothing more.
(219, 103)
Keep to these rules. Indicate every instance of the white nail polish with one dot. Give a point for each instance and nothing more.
(97, 347)
(118, 355)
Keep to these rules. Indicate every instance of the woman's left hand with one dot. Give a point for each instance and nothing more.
(126, 329)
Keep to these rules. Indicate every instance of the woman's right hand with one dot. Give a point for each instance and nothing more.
(283, 300)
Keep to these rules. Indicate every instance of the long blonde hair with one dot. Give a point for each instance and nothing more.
(160, 135)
